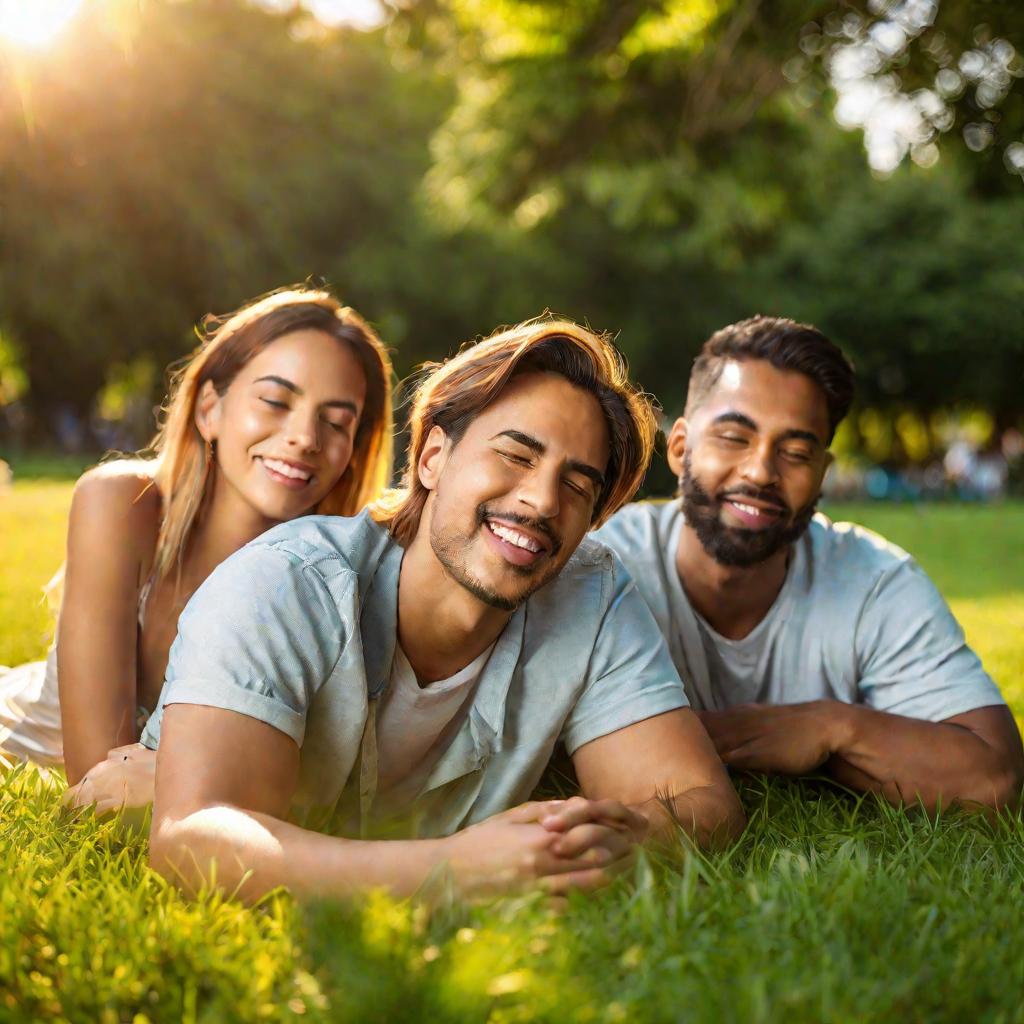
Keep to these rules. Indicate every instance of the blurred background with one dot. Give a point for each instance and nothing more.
(656, 169)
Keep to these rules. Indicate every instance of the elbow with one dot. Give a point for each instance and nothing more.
(217, 847)
(731, 823)
(169, 851)
(1004, 785)
(995, 785)
(989, 788)
(186, 855)
(712, 816)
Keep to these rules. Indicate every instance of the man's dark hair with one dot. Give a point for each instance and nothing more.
(785, 344)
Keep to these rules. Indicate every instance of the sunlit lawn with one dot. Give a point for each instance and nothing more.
(829, 910)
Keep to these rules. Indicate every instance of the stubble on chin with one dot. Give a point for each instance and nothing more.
(453, 552)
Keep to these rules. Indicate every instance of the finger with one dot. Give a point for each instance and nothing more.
(83, 796)
(109, 804)
(587, 880)
(579, 810)
(547, 863)
(615, 811)
(70, 797)
(535, 810)
(746, 757)
(596, 844)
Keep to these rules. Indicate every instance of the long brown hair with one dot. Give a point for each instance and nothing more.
(183, 466)
(455, 391)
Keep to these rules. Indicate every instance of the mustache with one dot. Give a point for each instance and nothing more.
(538, 525)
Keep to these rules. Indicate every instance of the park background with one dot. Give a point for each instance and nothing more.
(656, 169)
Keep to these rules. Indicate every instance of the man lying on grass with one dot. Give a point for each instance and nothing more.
(805, 645)
(419, 662)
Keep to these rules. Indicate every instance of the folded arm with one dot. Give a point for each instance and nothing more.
(219, 813)
(664, 768)
(974, 757)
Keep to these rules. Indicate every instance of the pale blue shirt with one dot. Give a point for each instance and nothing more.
(298, 630)
(856, 620)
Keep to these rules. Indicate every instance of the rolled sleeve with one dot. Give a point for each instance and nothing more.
(259, 637)
(914, 659)
(631, 676)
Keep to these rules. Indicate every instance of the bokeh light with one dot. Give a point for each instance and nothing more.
(35, 24)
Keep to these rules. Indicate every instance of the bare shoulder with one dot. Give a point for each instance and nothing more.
(119, 499)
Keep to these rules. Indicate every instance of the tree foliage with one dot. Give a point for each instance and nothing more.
(656, 168)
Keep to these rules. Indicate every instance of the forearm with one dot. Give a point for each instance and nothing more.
(910, 761)
(710, 815)
(92, 724)
(96, 680)
(248, 854)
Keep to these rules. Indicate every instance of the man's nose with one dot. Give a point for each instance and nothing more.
(539, 490)
(760, 467)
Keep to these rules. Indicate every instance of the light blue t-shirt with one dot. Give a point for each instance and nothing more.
(298, 630)
(856, 620)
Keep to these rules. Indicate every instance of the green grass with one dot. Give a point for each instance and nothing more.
(830, 909)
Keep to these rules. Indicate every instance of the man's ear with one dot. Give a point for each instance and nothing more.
(675, 446)
(208, 406)
(433, 458)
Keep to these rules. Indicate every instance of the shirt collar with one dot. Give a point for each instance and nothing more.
(378, 621)
(378, 625)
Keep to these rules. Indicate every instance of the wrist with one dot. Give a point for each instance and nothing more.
(840, 720)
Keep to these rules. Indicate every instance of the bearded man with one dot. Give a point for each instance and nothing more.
(806, 645)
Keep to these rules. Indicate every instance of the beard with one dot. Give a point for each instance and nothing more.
(451, 548)
(733, 545)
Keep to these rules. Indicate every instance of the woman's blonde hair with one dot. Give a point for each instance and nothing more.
(452, 393)
(183, 462)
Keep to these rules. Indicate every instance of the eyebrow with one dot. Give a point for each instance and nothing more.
(540, 448)
(742, 420)
(334, 403)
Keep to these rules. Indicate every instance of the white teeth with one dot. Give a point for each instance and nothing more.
(750, 509)
(514, 537)
(286, 470)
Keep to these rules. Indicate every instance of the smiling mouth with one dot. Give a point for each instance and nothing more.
(754, 517)
(293, 475)
(515, 546)
(512, 536)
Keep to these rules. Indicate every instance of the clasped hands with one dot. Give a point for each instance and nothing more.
(124, 780)
(556, 845)
(786, 739)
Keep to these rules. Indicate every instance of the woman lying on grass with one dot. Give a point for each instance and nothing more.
(284, 410)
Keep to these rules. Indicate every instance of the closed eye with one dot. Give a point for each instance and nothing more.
(276, 405)
(518, 460)
(797, 456)
(341, 428)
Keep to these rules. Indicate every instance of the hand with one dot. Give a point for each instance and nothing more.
(513, 850)
(788, 739)
(585, 824)
(125, 779)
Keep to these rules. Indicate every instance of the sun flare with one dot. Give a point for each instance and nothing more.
(35, 24)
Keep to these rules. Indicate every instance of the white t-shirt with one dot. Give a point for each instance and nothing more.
(856, 620)
(415, 724)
